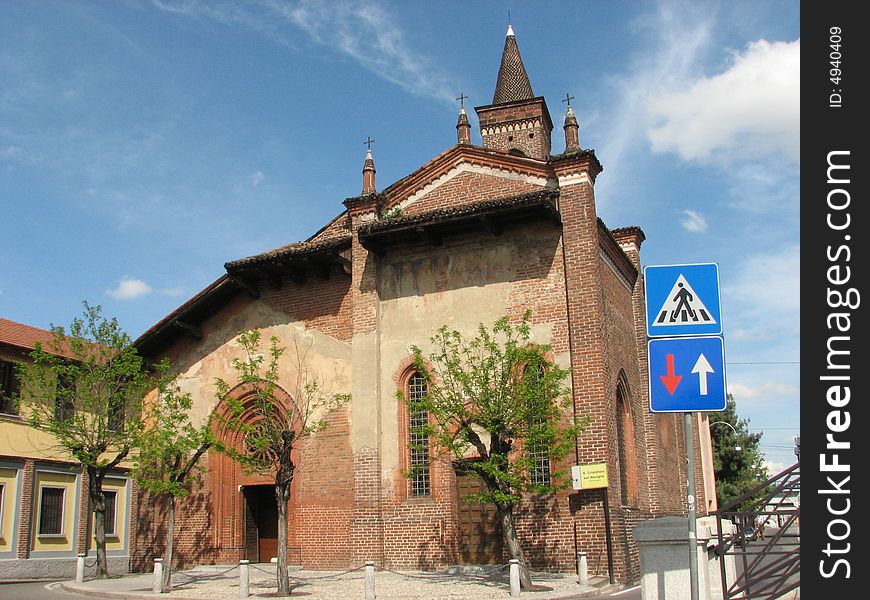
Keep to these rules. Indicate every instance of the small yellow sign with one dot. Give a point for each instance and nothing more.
(589, 477)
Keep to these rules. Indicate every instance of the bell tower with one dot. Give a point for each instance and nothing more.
(517, 121)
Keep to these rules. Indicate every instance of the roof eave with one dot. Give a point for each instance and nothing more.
(491, 216)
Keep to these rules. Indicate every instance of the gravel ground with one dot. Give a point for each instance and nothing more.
(223, 582)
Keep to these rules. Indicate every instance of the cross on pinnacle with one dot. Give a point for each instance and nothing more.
(568, 99)
(462, 98)
(369, 141)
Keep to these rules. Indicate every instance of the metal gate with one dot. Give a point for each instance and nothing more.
(765, 545)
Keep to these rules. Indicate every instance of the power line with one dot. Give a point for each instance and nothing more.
(766, 428)
(766, 362)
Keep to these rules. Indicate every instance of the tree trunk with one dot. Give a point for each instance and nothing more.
(509, 530)
(166, 585)
(282, 495)
(98, 502)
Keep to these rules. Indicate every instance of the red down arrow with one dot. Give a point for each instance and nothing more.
(671, 380)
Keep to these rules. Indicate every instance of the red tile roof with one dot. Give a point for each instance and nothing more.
(23, 336)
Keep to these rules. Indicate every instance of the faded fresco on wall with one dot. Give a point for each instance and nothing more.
(433, 275)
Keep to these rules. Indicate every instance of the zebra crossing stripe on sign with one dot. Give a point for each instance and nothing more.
(682, 306)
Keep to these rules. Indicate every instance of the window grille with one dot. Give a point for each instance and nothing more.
(64, 407)
(9, 388)
(421, 484)
(540, 457)
(2, 499)
(116, 417)
(538, 452)
(51, 511)
(111, 512)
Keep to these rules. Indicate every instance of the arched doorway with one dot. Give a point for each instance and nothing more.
(245, 506)
(261, 522)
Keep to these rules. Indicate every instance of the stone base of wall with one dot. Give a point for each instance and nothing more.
(58, 568)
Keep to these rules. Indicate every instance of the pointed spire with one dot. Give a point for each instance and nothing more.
(571, 127)
(513, 81)
(369, 169)
(516, 122)
(463, 127)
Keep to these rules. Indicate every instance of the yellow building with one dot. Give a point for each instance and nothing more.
(45, 517)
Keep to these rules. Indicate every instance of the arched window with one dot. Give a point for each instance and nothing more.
(626, 445)
(418, 455)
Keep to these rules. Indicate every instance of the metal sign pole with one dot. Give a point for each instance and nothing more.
(607, 537)
(689, 432)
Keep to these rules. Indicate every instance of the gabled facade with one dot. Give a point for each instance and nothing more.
(476, 233)
(45, 516)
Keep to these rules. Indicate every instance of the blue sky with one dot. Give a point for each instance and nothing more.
(145, 143)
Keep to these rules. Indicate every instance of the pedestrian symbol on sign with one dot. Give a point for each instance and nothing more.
(682, 300)
(683, 307)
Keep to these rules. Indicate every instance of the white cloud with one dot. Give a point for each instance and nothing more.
(360, 29)
(765, 389)
(694, 221)
(257, 178)
(752, 108)
(673, 41)
(129, 289)
(11, 151)
(763, 295)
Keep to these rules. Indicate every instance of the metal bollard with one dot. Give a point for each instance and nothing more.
(370, 580)
(582, 569)
(157, 588)
(80, 569)
(244, 579)
(515, 578)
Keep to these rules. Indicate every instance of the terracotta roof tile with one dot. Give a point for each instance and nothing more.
(513, 81)
(467, 209)
(24, 336)
(291, 250)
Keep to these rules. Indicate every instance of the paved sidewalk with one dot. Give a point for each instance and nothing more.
(219, 582)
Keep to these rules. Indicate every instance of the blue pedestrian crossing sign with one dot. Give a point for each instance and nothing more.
(687, 374)
(682, 300)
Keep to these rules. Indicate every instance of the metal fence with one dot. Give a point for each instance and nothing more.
(766, 543)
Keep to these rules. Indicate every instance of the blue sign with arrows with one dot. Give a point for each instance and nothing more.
(682, 300)
(687, 374)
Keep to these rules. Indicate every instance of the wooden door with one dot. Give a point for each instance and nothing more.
(480, 537)
(263, 510)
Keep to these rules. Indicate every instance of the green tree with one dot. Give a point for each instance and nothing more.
(271, 425)
(737, 471)
(170, 447)
(86, 390)
(497, 399)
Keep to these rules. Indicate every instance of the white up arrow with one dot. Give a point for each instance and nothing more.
(702, 367)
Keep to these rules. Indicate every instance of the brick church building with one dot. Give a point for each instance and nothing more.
(475, 233)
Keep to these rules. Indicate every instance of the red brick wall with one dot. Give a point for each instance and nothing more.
(26, 516)
(344, 510)
(194, 521)
(322, 496)
(423, 532)
(622, 363)
(321, 304)
(523, 126)
(592, 395)
(318, 514)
